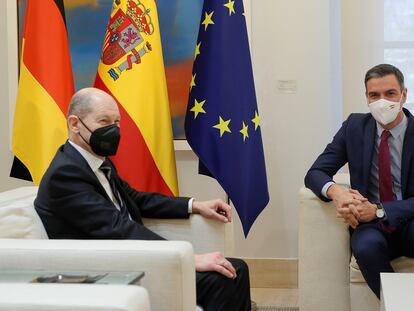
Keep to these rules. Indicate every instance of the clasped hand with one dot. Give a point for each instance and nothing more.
(351, 206)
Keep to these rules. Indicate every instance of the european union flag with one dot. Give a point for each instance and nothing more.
(222, 122)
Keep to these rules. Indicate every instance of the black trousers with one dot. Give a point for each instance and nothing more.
(374, 249)
(215, 292)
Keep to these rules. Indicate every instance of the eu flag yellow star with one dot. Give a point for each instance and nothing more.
(197, 50)
(198, 108)
(230, 6)
(244, 131)
(223, 126)
(208, 20)
(256, 120)
(192, 83)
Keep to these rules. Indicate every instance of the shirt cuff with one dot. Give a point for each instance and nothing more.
(190, 206)
(325, 188)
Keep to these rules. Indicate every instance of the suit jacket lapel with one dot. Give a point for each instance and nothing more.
(72, 152)
(368, 151)
(407, 151)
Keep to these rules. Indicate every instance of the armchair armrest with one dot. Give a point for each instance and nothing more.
(168, 265)
(205, 235)
(72, 297)
(324, 254)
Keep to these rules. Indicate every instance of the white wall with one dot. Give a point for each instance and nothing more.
(363, 48)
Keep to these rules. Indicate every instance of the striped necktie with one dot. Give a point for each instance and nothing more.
(106, 168)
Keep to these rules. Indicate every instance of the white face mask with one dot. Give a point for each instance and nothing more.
(385, 111)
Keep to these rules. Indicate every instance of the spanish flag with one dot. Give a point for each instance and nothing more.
(131, 69)
(45, 87)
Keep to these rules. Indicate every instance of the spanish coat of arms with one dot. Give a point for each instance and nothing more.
(124, 37)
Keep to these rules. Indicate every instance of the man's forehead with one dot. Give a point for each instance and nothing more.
(105, 108)
(388, 82)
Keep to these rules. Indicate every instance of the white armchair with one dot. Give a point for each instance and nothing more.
(329, 277)
(73, 297)
(168, 265)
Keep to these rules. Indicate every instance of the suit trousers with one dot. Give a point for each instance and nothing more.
(216, 292)
(374, 249)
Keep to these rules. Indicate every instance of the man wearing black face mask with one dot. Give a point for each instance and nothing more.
(81, 196)
(104, 141)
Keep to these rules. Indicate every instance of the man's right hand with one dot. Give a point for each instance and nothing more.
(214, 262)
(345, 202)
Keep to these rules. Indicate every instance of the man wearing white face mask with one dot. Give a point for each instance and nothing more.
(378, 147)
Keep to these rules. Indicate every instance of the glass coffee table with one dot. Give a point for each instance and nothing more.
(71, 277)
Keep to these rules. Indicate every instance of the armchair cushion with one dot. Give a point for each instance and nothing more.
(18, 218)
(400, 264)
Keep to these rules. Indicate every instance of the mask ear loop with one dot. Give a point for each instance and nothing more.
(84, 124)
(400, 101)
(86, 128)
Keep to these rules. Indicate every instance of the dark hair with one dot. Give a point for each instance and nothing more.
(383, 70)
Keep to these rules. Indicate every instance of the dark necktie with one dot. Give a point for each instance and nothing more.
(384, 169)
(107, 170)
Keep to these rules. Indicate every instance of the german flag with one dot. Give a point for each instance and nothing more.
(131, 69)
(45, 87)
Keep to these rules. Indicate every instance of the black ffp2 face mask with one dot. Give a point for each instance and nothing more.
(104, 141)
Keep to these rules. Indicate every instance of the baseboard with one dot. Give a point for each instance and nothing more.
(273, 273)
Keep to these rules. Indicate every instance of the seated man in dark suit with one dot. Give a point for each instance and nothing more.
(379, 150)
(81, 196)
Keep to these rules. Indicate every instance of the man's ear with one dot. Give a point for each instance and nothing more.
(404, 95)
(73, 124)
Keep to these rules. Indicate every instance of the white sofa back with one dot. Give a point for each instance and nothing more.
(18, 218)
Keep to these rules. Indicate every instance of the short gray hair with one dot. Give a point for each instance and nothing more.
(383, 70)
(80, 104)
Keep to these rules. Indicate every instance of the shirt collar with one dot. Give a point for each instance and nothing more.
(395, 131)
(93, 161)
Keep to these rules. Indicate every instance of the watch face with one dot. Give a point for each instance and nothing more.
(380, 213)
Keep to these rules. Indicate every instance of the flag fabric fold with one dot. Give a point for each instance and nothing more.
(131, 69)
(222, 122)
(45, 87)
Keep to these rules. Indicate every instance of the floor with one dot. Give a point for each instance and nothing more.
(278, 298)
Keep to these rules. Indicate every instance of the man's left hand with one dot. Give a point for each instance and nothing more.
(366, 209)
(213, 209)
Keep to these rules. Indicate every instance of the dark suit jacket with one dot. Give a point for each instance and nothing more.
(354, 144)
(73, 204)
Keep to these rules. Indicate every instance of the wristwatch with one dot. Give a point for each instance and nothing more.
(380, 212)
